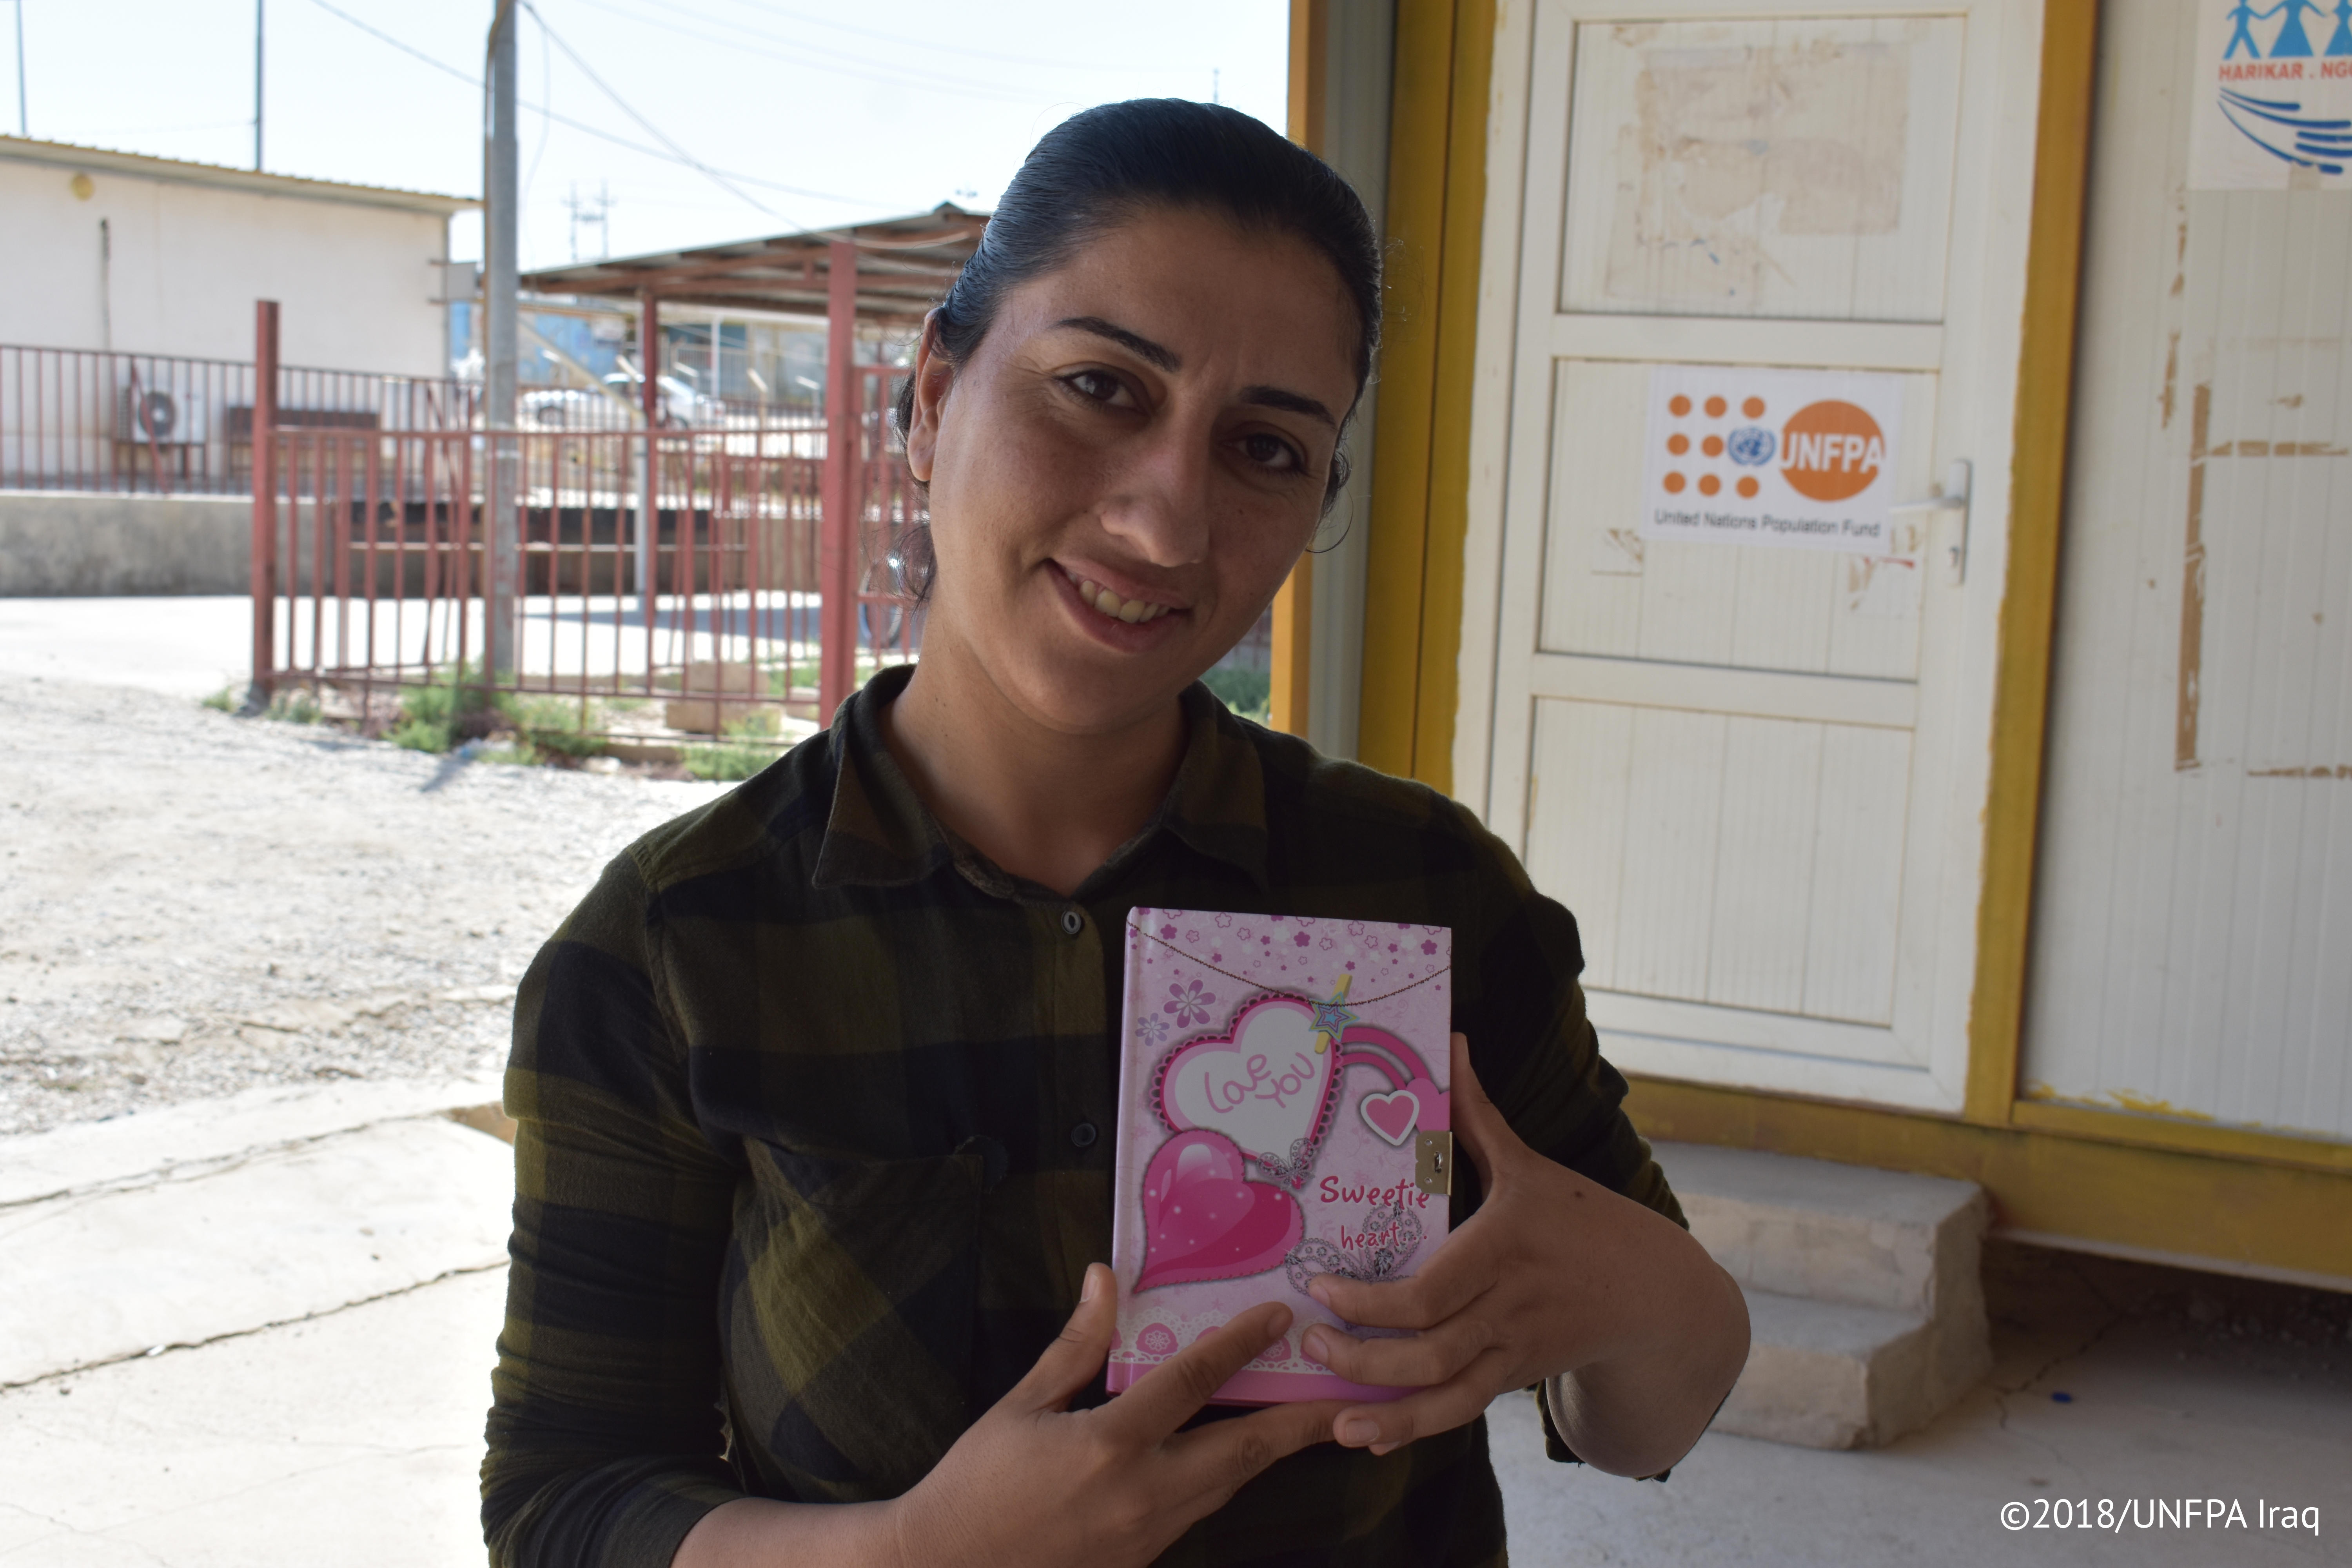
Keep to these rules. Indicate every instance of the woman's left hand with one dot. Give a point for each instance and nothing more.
(1554, 1275)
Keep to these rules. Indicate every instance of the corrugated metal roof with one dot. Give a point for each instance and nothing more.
(139, 165)
(903, 265)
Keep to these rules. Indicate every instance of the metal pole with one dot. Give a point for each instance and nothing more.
(649, 398)
(257, 5)
(262, 568)
(837, 529)
(501, 348)
(24, 115)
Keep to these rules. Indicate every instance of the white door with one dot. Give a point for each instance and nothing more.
(1757, 774)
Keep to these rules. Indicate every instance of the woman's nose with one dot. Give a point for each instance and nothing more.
(1159, 504)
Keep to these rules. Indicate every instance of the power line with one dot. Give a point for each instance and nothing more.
(682, 155)
(585, 129)
(901, 41)
(800, 52)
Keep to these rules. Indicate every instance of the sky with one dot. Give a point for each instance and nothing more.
(802, 115)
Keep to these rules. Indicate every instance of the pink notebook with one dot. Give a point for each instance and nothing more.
(1283, 1113)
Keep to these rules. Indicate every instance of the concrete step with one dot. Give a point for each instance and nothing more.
(1824, 1375)
(178, 1141)
(1866, 1298)
(243, 1216)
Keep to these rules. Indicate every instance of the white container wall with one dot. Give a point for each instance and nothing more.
(2192, 951)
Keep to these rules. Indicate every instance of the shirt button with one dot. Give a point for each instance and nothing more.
(1082, 1135)
(1073, 923)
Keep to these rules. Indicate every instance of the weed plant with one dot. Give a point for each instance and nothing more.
(450, 710)
(294, 706)
(429, 714)
(747, 749)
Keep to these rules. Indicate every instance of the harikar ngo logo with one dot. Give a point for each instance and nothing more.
(2274, 118)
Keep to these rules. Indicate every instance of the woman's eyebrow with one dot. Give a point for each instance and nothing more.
(1134, 343)
(1296, 403)
(1167, 360)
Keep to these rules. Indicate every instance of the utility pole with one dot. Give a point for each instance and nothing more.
(257, 5)
(500, 346)
(24, 115)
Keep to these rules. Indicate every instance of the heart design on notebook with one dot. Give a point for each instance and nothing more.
(1391, 1116)
(1202, 1221)
(1264, 1086)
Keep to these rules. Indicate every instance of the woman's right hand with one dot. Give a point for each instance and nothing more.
(1035, 1484)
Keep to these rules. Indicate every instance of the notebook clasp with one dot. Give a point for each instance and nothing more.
(1433, 1163)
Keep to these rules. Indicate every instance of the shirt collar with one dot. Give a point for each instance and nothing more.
(879, 833)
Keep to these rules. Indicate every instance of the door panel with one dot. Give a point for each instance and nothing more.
(1756, 774)
(1609, 590)
(1724, 858)
(1779, 166)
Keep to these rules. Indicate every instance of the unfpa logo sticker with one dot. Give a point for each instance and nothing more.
(1834, 451)
(1798, 458)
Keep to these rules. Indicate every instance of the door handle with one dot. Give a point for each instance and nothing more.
(1953, 499)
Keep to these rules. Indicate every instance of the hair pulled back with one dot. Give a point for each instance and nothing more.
(1108, 164)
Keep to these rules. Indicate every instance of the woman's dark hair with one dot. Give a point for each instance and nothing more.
(1106, 166)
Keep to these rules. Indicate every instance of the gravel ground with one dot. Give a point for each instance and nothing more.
(193, 904)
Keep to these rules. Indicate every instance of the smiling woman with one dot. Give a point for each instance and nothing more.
(811, 1186)
(1128, 413)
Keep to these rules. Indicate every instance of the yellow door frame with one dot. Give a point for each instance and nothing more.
(1293, 604)
(2144, 1185)
(1420, 462)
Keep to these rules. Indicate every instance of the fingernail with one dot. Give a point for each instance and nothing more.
(1092, 1288)
(1359, 1430)
(1320, 1290)
(1317, 1343)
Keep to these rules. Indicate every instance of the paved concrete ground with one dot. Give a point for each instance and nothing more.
(349, 1440)
(189, 646)
(2104, 1389)
(195, 645)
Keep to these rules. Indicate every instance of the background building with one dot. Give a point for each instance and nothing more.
(116, 251)
(2012, 849)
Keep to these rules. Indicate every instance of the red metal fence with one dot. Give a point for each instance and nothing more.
(682, 567)
(81, 419)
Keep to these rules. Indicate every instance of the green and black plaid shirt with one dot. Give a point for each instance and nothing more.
(815, 1110)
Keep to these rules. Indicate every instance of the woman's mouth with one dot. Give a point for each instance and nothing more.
(1107, 602)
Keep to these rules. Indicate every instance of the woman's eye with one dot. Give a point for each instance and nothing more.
(1272, 451)
(1095, 386)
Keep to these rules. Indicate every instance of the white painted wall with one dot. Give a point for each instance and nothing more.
(2192, 925)
(356, 281)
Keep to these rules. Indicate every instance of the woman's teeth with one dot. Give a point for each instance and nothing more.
(1134, 612)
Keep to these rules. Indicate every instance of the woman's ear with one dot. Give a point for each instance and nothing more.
(934, 376)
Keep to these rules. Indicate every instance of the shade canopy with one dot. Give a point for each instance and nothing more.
(903, 265)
